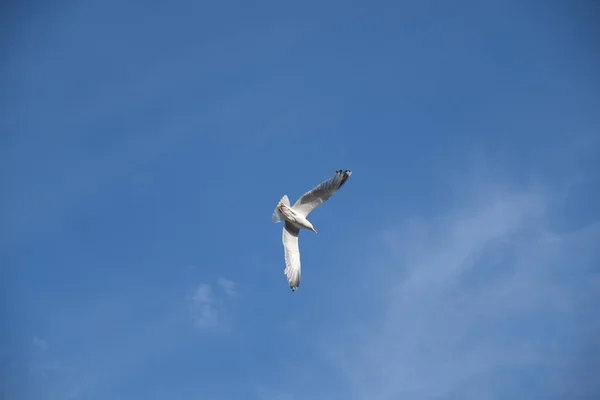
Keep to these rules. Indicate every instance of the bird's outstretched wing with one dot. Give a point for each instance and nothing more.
(292, 254)
(320, 194)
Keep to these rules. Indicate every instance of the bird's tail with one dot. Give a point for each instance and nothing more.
(276, 214)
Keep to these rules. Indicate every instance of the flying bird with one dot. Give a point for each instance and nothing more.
(294, 218)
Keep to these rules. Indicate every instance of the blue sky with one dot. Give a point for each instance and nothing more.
(145, 146)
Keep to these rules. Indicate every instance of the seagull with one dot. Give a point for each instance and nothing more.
(294, 218)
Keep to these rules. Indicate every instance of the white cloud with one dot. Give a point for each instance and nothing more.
(467, 298)
(227, 285)
(209, 310)
(204, 307)
(41, 343)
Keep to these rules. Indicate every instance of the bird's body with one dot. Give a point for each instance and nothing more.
(295, 219)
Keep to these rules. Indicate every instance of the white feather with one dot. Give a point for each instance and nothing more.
(276, 214)
(292, 255)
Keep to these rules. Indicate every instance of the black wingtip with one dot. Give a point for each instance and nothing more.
(346, 174)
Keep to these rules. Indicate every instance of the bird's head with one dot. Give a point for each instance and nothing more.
(306, 223)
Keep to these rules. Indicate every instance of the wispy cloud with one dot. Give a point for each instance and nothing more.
(204, 307)
(41, 343)
(470, 301)
(209, 309)
(227, 285)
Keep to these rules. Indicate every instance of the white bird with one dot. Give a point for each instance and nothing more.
(295, 220)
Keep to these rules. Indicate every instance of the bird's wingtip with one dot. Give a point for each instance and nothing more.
(345, 175)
